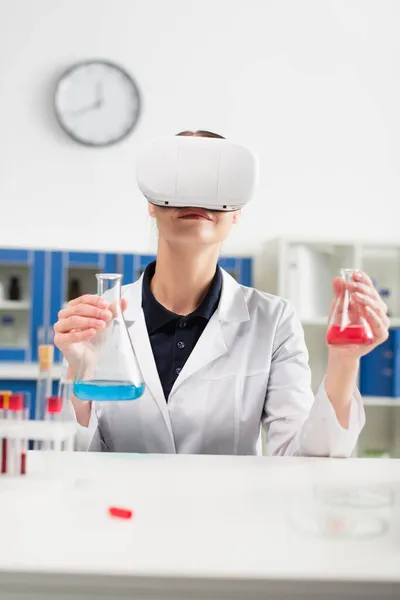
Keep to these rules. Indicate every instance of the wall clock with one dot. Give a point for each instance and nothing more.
(97, 103)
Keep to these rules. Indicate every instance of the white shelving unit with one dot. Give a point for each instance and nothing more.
(24, 371)
(381, 401)
(10, 305)
(302, 271)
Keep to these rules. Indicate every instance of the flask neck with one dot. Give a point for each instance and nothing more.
(109, 285)
(347, 274)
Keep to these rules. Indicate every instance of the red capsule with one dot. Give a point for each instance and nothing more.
(120, 513)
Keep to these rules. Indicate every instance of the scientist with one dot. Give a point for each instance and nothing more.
(219, 360)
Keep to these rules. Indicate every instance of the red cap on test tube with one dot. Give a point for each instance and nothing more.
(16, 402)
(54, 404)
(1, 401)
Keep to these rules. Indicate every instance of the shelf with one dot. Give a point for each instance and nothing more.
(24, 371)
(13, 346)
(380, 401)
(15, 305)
(395, 322)
(301, 270)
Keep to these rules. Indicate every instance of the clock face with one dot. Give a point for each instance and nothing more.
(97, 103)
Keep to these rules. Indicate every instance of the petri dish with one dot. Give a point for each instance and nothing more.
(356, 497)
(337, 526)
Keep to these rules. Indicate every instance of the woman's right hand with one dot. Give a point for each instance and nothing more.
(79, 322)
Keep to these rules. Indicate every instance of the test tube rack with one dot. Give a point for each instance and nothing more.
(48, 435)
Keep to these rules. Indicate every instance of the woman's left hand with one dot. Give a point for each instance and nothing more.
(373, 309)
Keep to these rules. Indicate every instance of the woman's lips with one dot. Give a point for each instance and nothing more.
(196, 214)
(196, 217)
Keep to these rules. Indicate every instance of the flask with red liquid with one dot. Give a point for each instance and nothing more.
(348, 324)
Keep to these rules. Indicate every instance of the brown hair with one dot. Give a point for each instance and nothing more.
(201, 133)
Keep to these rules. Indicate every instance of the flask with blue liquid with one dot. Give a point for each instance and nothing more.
(109, 369)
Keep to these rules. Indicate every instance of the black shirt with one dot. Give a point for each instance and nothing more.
(173, 336)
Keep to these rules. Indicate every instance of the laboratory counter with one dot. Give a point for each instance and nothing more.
(202, 527)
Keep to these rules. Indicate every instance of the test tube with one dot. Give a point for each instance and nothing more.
(2, 409)
(44, 382)
(3, 447)
(25, 441)
(6, 394)
(27, 405)
(46, 358)
(15, 447)
(53, 413)
(54, 408)
(4, 456)
(65, 391)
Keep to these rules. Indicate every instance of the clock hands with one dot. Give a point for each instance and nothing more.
(94, 106)
(99, 95)
(82, 111)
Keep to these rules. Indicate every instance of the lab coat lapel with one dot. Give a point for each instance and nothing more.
(210, 346)
(137, 329)
(220, 330)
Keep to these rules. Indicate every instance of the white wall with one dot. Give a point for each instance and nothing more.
(312, 86)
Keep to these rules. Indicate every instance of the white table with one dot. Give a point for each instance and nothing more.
(204, 527)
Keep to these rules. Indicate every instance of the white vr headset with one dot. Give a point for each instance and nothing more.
(201, 172)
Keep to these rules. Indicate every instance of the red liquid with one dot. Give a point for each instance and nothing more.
(23, 463)
(4, 456)
(353, 334)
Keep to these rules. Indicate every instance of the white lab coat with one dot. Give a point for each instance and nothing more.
(248, 369)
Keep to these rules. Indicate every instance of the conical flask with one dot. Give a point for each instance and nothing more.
(108, 369)
(347, 324)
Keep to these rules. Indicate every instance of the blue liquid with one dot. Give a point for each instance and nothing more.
(107, 390)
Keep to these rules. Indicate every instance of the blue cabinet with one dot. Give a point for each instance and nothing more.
(74, 274)
(241, 269)
(132, 266)
(380, 369)
(34, 286)
(43, 282)
(25, 297)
